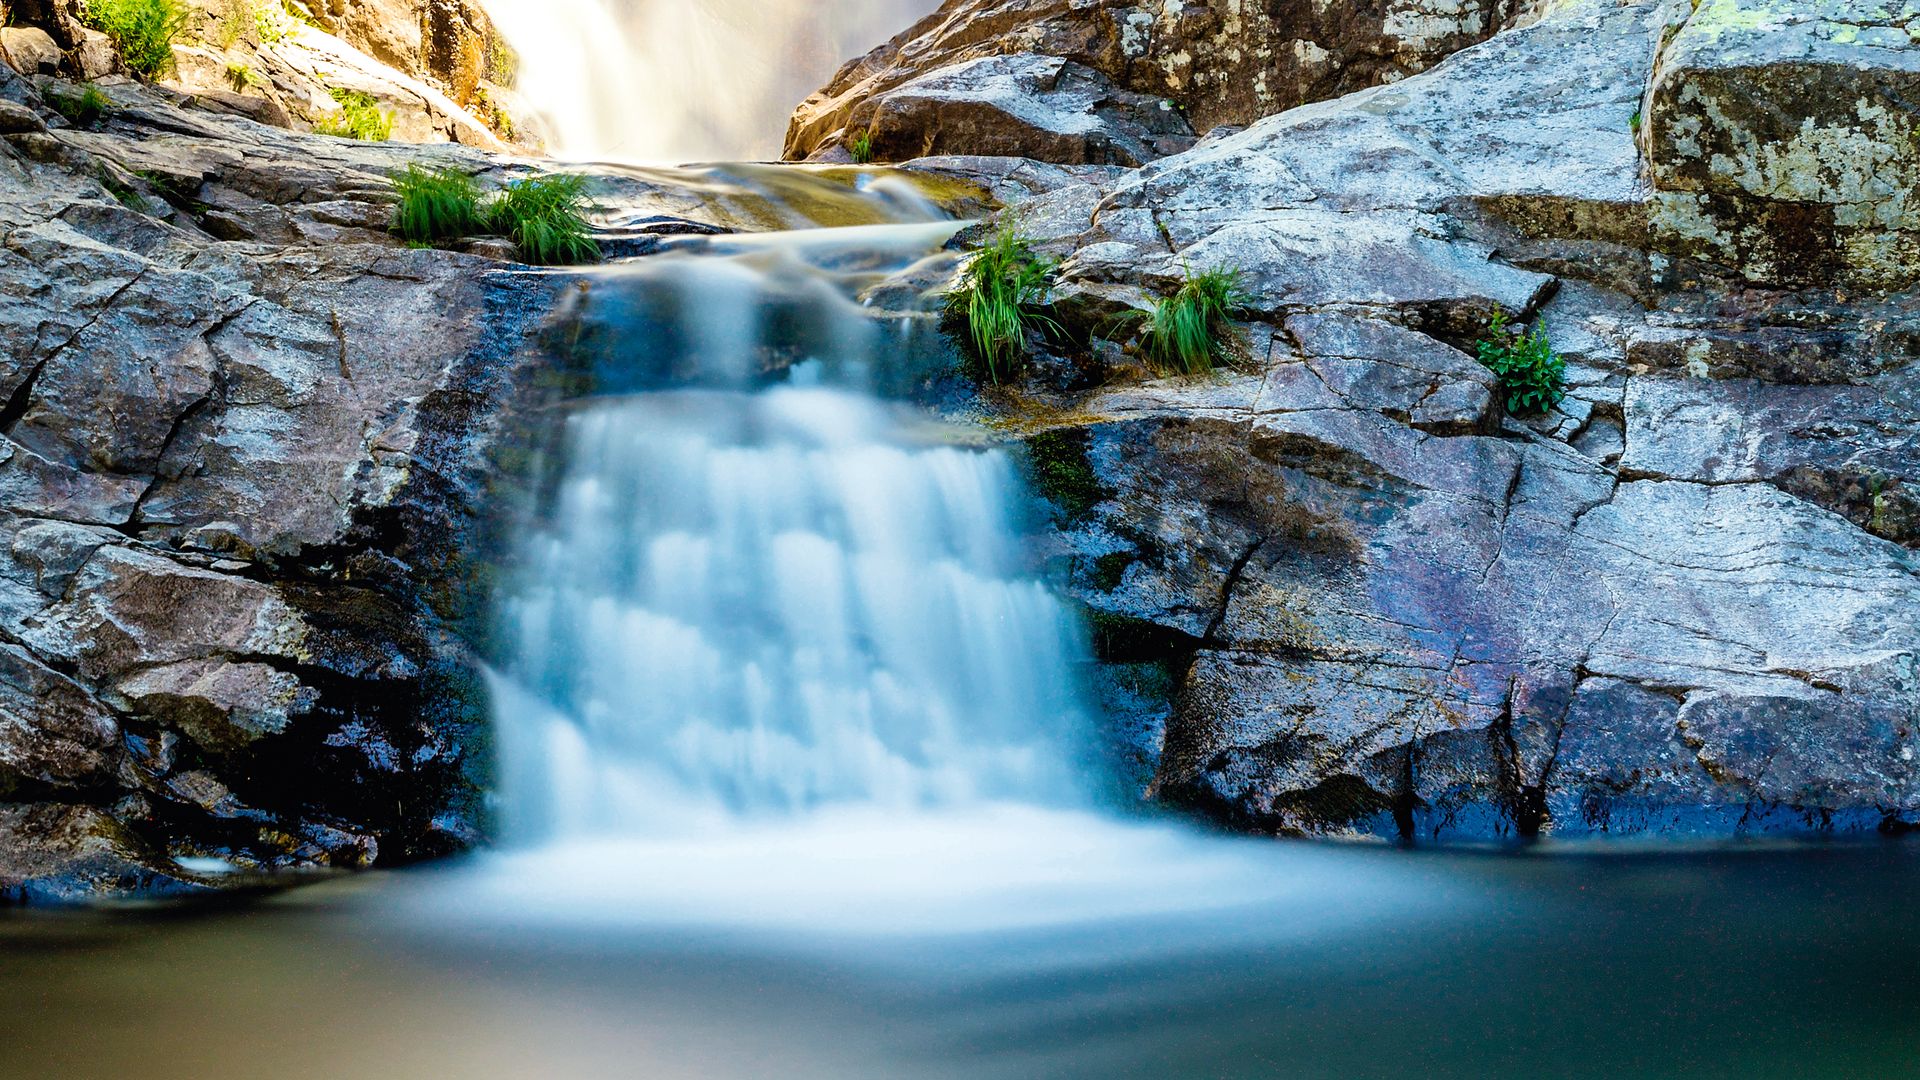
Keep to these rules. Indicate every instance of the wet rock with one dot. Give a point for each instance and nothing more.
(61, 854)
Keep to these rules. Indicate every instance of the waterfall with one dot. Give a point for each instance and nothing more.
(748, 601)
(683, 80)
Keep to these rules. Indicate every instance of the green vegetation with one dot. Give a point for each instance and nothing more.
(243, 78)
(125, 195)
(1063, 472)
(142, 31)
(83, 109)
(360, 118)
(275, 21)
(545, 216)
(439, 204)
(1192, 331)
(861, 147)
(998, 296)
(1532, 376)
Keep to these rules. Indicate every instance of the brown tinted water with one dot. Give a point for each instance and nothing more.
(1788, 961)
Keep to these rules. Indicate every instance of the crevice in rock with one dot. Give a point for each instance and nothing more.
(1234, 574)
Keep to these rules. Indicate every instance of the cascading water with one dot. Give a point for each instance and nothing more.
(774, 657)
(682, 80)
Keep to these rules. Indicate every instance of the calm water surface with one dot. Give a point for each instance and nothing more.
(1790, 962)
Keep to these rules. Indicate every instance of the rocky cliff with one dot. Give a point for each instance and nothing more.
(1685, 601)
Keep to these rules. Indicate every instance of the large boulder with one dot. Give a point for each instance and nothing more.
(1784, 136)
(240, 478)
(1214, 63)
(1683, 601)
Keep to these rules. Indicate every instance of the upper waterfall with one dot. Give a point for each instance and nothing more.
(682, 80)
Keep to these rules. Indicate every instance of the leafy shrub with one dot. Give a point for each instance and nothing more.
(1192, 330)
(861, 147)
(998, 294)
(546, 217)
(360, 118)
(83, 109)
(1532, 376)
(142, 31)
(439, 204)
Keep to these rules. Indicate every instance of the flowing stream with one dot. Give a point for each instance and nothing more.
(797, 780)
(776, 655)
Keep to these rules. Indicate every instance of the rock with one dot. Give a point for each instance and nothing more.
(62, 854)
(29, 50)
(234, 483)
(94, 56)
(1784, 141)
(1216, 64)
(17, 119)
(1022, 104)
(1680, 602)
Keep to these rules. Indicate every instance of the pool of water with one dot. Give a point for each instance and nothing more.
(1305, 961)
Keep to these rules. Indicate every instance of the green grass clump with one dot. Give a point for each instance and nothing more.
(1192, 331)
(84, 109)
(437, 204)
(546, 217)
(998, 297)
(243, 78)
(861, 147)
(142, 31)
(360, 118)
(1532, 376)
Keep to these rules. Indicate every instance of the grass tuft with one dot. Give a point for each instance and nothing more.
(360, 118)
(243, 78)
(142, 31)
(861, 147)
(84, 109)
(1191, 332)
(1532, 375)
(546, 217)
(438, 204)
(1003, 285)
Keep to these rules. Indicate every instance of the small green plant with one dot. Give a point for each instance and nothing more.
(125, 195)
(142, 31)
(84, 109)
(243, 78)
(360, 118)
(275, 21)
(1532, 376)
(546, 218)
(438, 204)
(1192, 331)
(998, 295)
(861, 147)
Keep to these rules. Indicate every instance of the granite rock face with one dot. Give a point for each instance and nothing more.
(1686, 601)
(1209, 63)
(245, 440)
